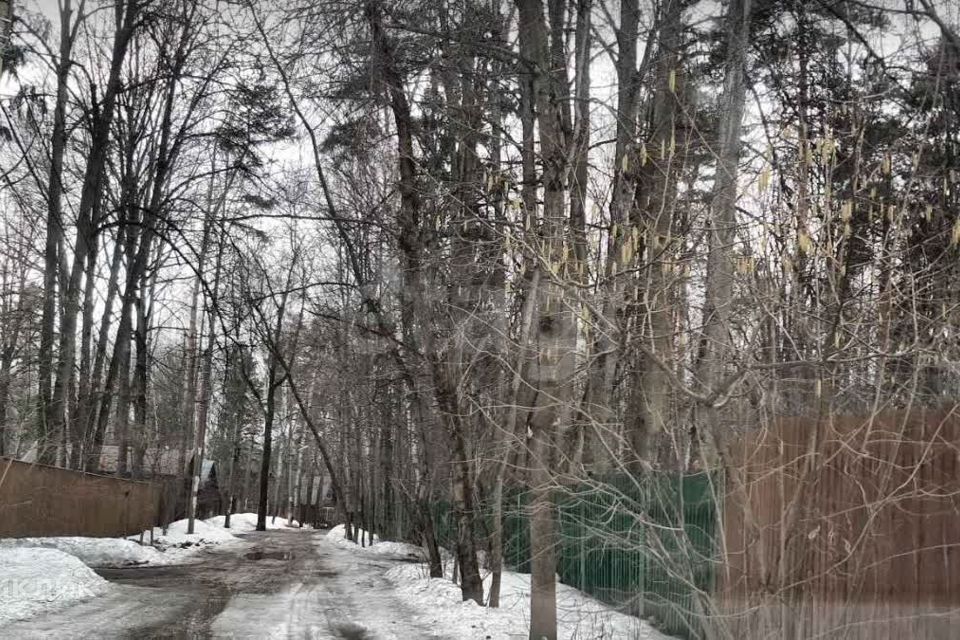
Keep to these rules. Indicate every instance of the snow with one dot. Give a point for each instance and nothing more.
(94, 552)
(331, 591)
(337, 535)
(204, 534)
(439, 604)
(35, 580)
(243, 522)
(332, 587)
(579, 617)
(177, 546)
(40, 574)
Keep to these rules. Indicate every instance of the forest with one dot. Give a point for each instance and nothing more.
(436, 254)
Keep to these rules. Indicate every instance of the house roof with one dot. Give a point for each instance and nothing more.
(156, 461)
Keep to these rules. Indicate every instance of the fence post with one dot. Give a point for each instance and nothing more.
(583, 549)
(644, 553)
(518, 535)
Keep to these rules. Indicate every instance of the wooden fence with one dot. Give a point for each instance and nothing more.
(37, 500)
(846, 527)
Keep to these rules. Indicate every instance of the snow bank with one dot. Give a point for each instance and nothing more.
(203, 534)
(243, 522)
(35, 580)
(437, 603)
(381, 548)
(175, 547)
(94, 552)
(339, 532)
(579, 617)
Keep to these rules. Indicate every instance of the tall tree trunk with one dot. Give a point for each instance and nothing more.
(274, 380)
(717, 344)
(89, 400)
(141, 374)
(203, 410)
(414, 296)
(581, 137)
(268, 416)
(11, 339)
(551, 370)
(596, 413)
(282, 472)
(247, 476)
(123, 412)
(206, 370)
(235, 401)
(188, 410)
(513, 435)
(336, 477)
(509, 378)
(293, 487)
(387, 475)
(87, 226)
(54, 236)
(648, 403)
(80, 400)
(371, 303)
(119, 362)
(166, 153)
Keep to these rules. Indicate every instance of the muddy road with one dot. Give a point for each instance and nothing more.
(275, 584)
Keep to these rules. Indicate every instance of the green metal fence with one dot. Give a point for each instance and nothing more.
(644, 544)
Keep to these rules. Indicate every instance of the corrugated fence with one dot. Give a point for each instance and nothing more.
(38, 500)
(644, 545)
(847, 527)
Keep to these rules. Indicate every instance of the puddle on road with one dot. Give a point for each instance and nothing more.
(352, 631)
(268, 555)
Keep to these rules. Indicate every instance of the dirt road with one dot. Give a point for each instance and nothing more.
(278, 584)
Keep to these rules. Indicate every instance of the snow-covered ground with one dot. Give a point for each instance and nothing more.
(176, 537)
(34, 580)
(579, 617)
(95, 552)
(242, 522)
(281, 584)
(438, 602)
(174, 547)
(380, 548)
(40, 574)
(277, 584)
(179, 545)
